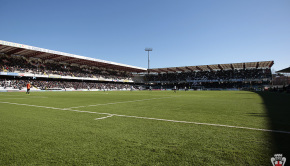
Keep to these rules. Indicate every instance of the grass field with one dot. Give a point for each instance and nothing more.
(143, 128)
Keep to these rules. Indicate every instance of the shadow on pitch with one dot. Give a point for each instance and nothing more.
(257, 114)
(278, 112)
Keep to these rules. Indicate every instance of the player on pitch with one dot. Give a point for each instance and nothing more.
(28, 88)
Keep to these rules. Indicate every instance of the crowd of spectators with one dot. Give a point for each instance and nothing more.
(212, 85)
(15, 84)
(14, 63)
(284, 88)
(203, 76)
(46, 85)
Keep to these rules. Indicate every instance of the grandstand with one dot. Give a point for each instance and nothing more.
(59, 70)
(26, 51)
(222, 76)
(281, 81)
(54, 70)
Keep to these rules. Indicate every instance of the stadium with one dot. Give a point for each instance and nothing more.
(87, 111)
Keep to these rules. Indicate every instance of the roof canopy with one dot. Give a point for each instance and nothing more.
(45, 54)
(286, 70)
(231, 66)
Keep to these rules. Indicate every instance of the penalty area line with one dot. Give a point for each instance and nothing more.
(139, 117)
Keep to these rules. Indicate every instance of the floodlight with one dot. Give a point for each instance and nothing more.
(148, 49)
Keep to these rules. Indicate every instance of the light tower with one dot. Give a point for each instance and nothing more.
(148, 49)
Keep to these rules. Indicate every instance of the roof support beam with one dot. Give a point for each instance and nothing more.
(179, 69)
(189, 68)
(152, 70)
(7, 49)
(110, 66)
(171, 70)
(73, 60)
(271, 64)
(257, 66)
(25, 52)
(103, 64)
(199, 68)
(64, 59)
(33, 54)
(163, 70)
(220, 67)
(209, 68)
(39, 56)
(14, 51)
(53, 56)
(3, 47)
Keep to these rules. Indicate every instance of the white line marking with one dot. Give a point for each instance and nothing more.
(102, 93)
(12, 98)
(37, 97)
(138, 117)
(121, 102)
(104, 117)
(23, 98)
(23, 95)
(9, 95)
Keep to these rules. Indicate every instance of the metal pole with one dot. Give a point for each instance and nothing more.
(148, 63)
(148, 49)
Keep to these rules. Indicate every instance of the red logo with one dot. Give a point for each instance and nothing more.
(278, 160)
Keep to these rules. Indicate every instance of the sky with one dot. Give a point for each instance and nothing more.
(181, 32)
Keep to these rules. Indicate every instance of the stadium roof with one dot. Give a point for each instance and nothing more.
(231, 66)
(45, 54)
(286, 70)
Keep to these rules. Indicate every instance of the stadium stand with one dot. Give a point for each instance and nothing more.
(18, 64)
(61, 85)
(224, 76)
(53, 70)
(281, 81)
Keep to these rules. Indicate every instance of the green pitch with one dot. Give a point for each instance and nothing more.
(143, 128)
